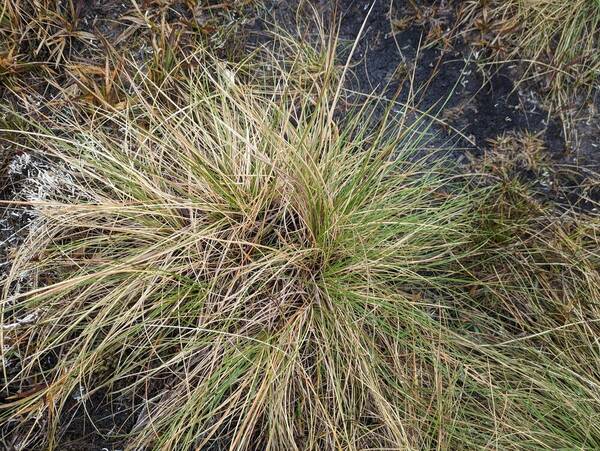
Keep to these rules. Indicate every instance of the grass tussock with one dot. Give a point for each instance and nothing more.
(234, 264)
(557, 40)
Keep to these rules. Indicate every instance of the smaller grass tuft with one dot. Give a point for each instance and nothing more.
(558, 41)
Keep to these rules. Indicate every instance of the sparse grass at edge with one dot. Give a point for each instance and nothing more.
(558, 42)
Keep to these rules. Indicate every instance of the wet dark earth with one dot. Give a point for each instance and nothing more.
(408, 51)
(477, 105)
(473, 106)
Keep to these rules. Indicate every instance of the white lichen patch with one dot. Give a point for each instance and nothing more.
(47, 183)
(79, 393)
(36, 181)
(39, 180)
(19, 164)
(29, 318)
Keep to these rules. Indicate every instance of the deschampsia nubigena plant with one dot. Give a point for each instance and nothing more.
(246, 265)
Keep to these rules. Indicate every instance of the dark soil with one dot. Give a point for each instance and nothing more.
(476, 107)
(473, 105)
(481, 105)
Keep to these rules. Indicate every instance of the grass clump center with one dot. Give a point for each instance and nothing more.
(236, 257)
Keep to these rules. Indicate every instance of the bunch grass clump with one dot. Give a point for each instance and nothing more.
(233, 264)
(234, 256)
